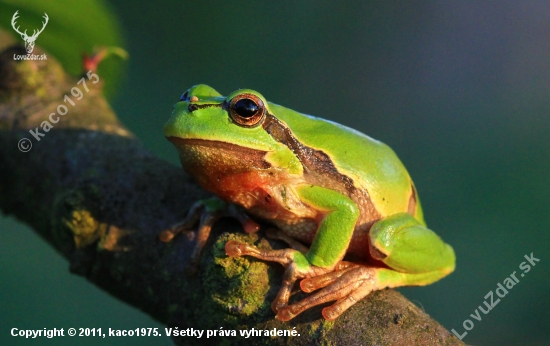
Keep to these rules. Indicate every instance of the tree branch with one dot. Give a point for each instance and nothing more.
(91, 190)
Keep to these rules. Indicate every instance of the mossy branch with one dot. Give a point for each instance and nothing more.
(92, 191)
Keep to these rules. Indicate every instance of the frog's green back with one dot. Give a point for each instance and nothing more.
(370, 163)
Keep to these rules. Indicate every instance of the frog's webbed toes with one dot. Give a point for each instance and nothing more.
(346, 286)
(316, 282)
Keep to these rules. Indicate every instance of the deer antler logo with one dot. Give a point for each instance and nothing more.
(29, 40)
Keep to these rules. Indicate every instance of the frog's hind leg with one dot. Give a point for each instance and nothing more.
(414, 255)
(347, 287)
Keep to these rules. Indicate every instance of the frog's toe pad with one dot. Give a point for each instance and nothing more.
(330, 313)
(166, 236)
(234, 248)
(286, 314)
(277, 305)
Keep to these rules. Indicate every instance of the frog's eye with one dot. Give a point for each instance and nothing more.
(185, 96)
(247, 110)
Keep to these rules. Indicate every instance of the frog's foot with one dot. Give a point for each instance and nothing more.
(296, 264)
(348, 284)
(208, 211)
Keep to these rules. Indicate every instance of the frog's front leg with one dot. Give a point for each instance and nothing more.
(208, 211)
(328, 248)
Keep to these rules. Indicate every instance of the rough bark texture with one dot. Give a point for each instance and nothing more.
(93, 192)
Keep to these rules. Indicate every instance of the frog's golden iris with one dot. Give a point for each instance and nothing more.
(247, 110)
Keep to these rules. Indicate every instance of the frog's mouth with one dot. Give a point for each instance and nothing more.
(177, 141)
(209, 145)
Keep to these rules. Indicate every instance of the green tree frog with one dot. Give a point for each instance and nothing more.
(319, 183)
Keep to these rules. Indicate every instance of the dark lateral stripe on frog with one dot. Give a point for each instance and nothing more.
(312, 160)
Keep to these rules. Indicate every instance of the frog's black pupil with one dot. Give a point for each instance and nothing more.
(185, 96)
(246, 108)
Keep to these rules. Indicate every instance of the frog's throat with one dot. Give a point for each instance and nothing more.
(209, 155)
(233, 173)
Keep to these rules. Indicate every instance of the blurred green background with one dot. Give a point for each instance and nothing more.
(460, 90)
